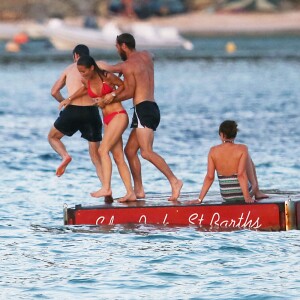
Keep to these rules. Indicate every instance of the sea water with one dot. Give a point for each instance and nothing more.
(258, 86)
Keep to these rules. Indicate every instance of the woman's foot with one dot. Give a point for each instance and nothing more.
(128, 197)
(260, 195)
(103, 192)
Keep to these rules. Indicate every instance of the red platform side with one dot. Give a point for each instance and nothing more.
(257, 216)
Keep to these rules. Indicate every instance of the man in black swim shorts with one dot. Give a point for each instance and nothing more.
(138, 71)
(81, 116)
(146, 114)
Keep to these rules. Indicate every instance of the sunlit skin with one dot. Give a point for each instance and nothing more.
(227, 159)
(138, 71)
(71, 79)
(62, 167)
(112, 138)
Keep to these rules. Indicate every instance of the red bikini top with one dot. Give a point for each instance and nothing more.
(106, 89)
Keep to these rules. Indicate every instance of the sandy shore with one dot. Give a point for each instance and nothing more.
(196, 23)
(200, 23)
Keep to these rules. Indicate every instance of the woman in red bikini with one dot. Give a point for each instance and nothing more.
(97, 83)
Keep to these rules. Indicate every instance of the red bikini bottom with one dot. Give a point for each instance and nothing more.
(109, 117)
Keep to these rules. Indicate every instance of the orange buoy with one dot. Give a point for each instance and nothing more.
(21, 38)
(230, 47)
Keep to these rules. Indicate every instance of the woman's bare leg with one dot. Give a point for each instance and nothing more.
(251, 173)
(124, 172)
(112, 133)
(95, 158)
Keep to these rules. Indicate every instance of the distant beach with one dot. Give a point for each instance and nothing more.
(197, 23)
(203, 23)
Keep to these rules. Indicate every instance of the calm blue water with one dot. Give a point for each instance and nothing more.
(41, 259)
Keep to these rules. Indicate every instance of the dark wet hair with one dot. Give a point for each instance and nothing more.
(87, 61)
(127, 39)
(81, 50)
(229, 129)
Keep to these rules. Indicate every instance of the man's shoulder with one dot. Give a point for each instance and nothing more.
(126, 65)
(145, 53)
(71, 71)
(71, 67)
(139, 60)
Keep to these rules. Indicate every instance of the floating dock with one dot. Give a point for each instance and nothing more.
(279, 212)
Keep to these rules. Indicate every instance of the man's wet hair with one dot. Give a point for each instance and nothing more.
(127, 39)
(81, 50)
(229, 129)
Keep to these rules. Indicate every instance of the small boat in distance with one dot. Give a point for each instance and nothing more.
(66, 37)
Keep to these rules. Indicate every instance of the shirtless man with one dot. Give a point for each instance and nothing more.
(82, 115)
(138, 71)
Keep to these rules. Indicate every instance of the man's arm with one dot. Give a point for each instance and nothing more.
(58, 85)
(129, 88)
(117, 68)
(126, 93)
(79, 93)
(115, 81)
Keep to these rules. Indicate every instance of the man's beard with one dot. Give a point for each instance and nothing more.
(123, 55)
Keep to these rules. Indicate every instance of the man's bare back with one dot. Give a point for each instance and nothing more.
(72, 79)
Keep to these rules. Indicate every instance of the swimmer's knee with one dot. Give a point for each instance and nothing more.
(129, 152)
(102, 150)
(54, 134)
(51, 136)
(93, 148)
(118, 158)
(95, 158)
(146, 154)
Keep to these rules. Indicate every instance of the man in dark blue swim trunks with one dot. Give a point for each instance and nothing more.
(138, 71)
(82, 115)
